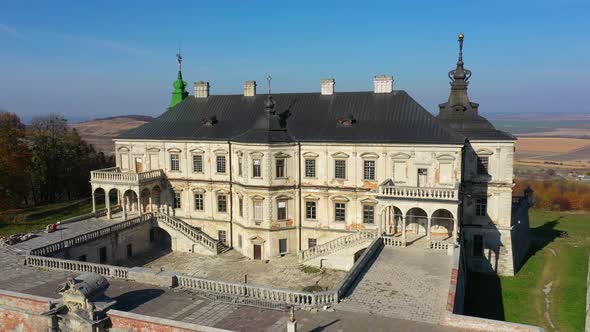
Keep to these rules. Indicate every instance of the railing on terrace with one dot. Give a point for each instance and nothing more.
(258, 292)
(114, 174)
(76, 266)
(340, 243)
(441, 245)
(393, 241)
(189, 231)
(419, 192)
(76, 240)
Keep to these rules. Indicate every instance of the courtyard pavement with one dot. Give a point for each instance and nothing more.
(67, 231)
(403, 289)
(408, 283)
(186, 306)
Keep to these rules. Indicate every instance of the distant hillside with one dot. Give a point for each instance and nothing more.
(100, 132)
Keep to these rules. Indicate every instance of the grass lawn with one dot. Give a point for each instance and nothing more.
(562, 241)
(30, 219)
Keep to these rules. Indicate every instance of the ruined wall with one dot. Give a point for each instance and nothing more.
(22, 312)
(115, 244)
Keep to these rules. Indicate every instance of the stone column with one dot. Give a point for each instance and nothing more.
(139, 204)
(150, 203)
(455, 230)
(381, 221)
(107, 202)
(428, 233)
(403, 219)
(93, 202)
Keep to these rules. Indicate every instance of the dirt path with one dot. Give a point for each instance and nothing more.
(542, 300)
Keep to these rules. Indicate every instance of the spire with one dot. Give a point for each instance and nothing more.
(269, 104)
(459, 81)
(179, 85)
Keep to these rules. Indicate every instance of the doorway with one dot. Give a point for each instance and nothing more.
(138, 165)
(257, 252)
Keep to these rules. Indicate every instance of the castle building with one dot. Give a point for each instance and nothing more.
(273, 174)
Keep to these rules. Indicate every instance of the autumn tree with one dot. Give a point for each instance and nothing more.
(14, 159)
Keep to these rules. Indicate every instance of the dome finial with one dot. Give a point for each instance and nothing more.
(179, 59)
(460, 73)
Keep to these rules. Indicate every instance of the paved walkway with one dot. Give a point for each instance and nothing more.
(67, 231)
(407, 283)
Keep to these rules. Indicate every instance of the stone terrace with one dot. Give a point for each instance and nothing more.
(409, 283)
(185, 306)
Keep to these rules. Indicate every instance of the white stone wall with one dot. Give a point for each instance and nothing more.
(399, 162)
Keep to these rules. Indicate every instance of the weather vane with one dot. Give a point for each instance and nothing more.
(179, 59)
(268, 79)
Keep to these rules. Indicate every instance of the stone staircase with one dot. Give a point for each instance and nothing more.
(341, 243)
(194, 234)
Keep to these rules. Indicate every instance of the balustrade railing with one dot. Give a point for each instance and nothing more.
(419, 192)
(76, 266)
(258, 292)
(393, 241)
(440, 245)
(189, 231)
(76, 240)
(114, 174)
(340, 243)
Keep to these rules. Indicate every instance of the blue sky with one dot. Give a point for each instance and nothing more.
(87, 59)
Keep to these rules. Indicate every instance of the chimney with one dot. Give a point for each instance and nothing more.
(328, 86)
(249, 88)
(383, 84)
(201, 89)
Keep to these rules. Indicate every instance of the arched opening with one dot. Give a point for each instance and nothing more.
(442, 223)
(146, 198)
(393, 223)
(156, 192)
(113, 197)
(160, 239)
(99, 198)
(130, 200)
(416, 221)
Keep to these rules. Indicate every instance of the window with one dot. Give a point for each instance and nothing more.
(340, 169)
(199, 206)
(368, 214)
(446, 171)
(102, 255)
(422, 177)
(256, 168)
(282, 246)
(481, 207)
(282, 210)
(312, 242)
(310, 168)
(220, 164)
(198, 164)
(222, 236)
(310, 210)
(477, 245)
(239, 240)
(241, 207)
(177, 200)
(174, 162)
(129, 250)
(221, 203)
(280, 168)
(258, 210)
(399, 171)
(369, 173)
(340, 212)
(482, 165)
(240, 166)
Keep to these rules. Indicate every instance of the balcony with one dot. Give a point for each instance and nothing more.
(390, 190)
(115, 175)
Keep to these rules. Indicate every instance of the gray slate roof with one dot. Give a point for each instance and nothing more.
(307, 117)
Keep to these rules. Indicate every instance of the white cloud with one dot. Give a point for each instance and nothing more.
(11, 31)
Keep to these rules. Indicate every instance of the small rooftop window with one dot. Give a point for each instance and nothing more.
(346, 121)
(210, 121)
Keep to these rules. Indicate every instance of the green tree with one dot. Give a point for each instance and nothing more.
(14, 158)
